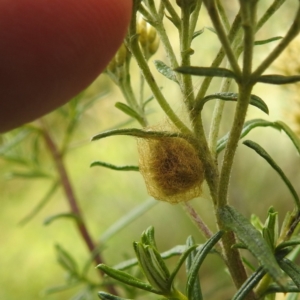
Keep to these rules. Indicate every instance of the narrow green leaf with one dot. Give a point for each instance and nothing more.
(259, 150)
(263, 42)
(294, 138)
(147, 101)
(128, 110)
(197, 292)
(278, 79)
(148, 237)
(14, 140)
(289, 243)
(177, 250)
(291, 269)
(33, 174)
(126, 219)
(273, 288)
(249, 284)
(211, 29)
(182, 259)
(106, 296)
(60, 288)
(138, 133)
(197, 33)
(248, 264)
(254, 100)
(248, 126)
(158, 263)
(154, 275)
(252, 238)
(66, 260)
(206, 71)
(50, 219)
(271, 227)
(292, 296)
(199, 258)
(41, 204)
(165, 70)
(127, 279)
(114, 167)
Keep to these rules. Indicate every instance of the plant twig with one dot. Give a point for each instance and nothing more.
(70, 196)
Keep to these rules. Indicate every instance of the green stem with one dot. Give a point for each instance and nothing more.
(217, 118)
(248, 10)
(173, 13)
(223, 15)
(233, 258)
(214, 16)
(219, 57)
(195, 17)
(185, 50)
(136, 51)
(157, 23)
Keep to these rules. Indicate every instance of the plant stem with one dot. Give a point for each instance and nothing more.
(136, 51)
(214, 16)
(233, 258)
(185, 50)
(197, 220)
(71, 198)
(217, 117)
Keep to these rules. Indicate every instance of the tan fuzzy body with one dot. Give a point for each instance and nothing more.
(171, 169)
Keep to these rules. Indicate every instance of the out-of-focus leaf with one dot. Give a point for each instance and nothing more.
(127, 219)
(165, 70)
(60, 288)
(263, 42)
(50, 219)
(294, 138)
(289, 287)
(66, 260)
(128, 110)
(41, 204)
(106, 296)
(291, 269)
(278, 79)
(254, 100)
(292, 296)
(289, 243)
(15, 140)
(249, 284)
(253, 239)
(198, 260)
(263, 153)
(211, 29)
(127, 279)
(248, 126)
(32, 174)
(114, 167)
(206, 71)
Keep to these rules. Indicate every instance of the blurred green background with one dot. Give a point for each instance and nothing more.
(27, 252)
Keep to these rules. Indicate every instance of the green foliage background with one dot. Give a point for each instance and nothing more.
(27, 256)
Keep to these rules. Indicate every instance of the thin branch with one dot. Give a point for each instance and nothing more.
(70, 196)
